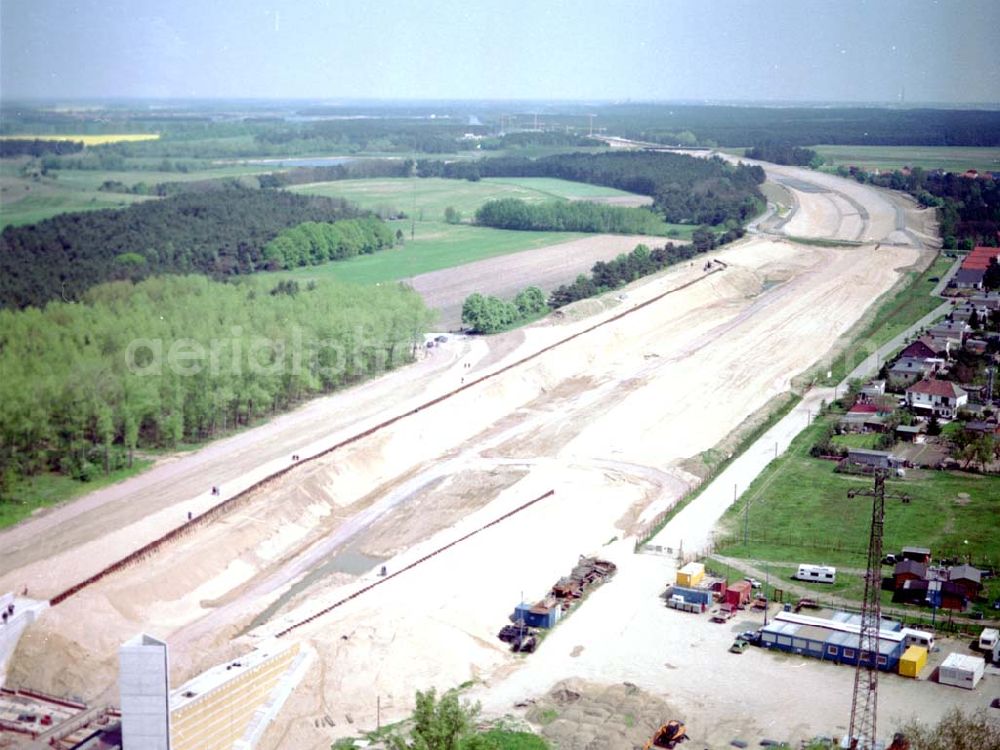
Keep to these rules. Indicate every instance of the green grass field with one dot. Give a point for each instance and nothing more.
(950, 159)
(437, 245)
(427, 198)
(800, 512)
(45, 490)
(24, 200)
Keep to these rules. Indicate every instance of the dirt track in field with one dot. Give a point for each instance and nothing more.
(506, 275)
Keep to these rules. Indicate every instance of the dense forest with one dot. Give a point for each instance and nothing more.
(567, 216)
(685, 190)
(222, 232)
(14, 147)
(784, 153)
(312, 243)
(180, 359)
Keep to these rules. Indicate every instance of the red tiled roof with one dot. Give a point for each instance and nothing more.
(864, 409)
(936, 388)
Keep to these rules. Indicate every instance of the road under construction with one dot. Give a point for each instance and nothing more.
(473, 476)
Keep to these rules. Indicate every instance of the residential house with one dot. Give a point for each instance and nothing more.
(940, 397)
(973, 269)
(908, 370)
(969, 278)
(950, 329)
(920, 349)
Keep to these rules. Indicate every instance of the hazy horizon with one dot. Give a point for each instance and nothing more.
(809, 53)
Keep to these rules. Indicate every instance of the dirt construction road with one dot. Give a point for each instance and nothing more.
(606, 419)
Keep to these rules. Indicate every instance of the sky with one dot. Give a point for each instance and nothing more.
(945, 51)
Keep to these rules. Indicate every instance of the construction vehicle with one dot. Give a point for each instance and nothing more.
(668, 735)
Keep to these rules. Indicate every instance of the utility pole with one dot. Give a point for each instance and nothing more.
(864, 706)
(746, 517)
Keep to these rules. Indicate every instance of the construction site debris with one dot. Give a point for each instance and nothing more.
(545, 613)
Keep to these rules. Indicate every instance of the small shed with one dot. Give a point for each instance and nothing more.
(962, 670)
(738, 594)
(874, 459)
(540, 615)
(919, 554)
(908, 570)
(691, 574)
(908, 432)
(968, 578)
(912, 661)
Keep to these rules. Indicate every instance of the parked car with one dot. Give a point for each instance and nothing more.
(739, 646)
(754, 583)
(440, 339)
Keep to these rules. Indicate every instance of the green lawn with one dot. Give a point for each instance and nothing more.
(857, 440)
(437, 245)
(950, 159)
(426, 198)
(800, 512)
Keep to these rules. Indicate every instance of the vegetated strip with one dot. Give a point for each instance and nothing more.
(412, 565)
(148, 549)
(746, 441)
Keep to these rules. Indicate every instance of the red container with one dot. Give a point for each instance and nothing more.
(738, 594)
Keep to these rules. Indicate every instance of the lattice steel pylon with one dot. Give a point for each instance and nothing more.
(864, 708)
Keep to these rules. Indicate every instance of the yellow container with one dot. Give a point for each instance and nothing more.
(913, 660)
(691, 574)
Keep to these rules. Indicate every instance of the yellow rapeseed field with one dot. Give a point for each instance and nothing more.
(88, 140)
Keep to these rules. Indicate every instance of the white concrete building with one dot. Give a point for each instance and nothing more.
(144, 683)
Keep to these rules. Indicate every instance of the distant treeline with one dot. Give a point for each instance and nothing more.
(181, 359)
(802, 126)
(608, 275)
(968, 207)
(784, 153)
(567, 216)
(220, 233)
(354, 170)
(15, 147)
(312, 243)
(684, 189)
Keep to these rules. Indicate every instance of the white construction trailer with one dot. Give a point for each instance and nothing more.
(962, 670)
(817, 573)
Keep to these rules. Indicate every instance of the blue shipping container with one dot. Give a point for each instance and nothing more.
(535, 619)
(697, 596)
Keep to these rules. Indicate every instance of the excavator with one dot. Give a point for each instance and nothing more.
(668, 735)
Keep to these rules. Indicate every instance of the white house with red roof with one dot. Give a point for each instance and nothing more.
(940, 397)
